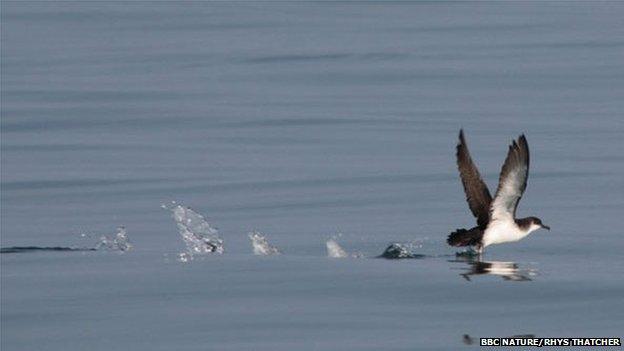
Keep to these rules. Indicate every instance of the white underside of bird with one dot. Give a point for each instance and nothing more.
(506, 230)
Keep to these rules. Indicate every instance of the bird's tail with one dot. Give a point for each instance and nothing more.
(463, 237)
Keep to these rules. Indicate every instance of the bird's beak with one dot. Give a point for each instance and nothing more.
(545, 227)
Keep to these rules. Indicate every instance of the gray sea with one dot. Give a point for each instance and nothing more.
(306, 122)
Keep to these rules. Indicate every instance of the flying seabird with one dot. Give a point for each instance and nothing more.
(496, 218)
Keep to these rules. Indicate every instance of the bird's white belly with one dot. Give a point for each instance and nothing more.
(499, 232)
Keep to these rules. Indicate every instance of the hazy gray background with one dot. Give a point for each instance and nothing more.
(304, 120)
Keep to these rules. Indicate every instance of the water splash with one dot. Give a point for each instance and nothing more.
(119, 242)
(198, 236)
(334, 250)
(402, 251)
(261, 246)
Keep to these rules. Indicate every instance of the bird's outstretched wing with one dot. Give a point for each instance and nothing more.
(477, 193)
(513, 180)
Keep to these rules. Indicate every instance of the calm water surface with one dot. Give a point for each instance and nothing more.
(302, 121)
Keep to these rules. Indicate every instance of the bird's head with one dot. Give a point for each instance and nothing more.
(534, 223)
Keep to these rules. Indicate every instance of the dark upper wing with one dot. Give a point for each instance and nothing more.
(477, 193)
(513, 180)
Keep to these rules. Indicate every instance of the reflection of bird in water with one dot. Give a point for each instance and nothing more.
(507, 270)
